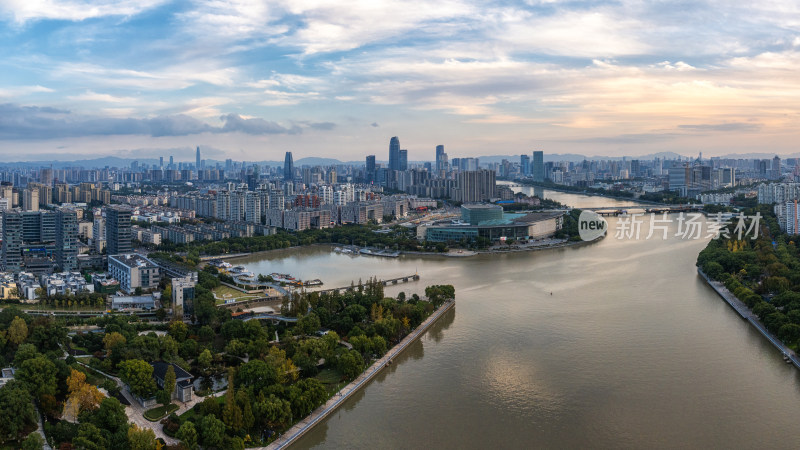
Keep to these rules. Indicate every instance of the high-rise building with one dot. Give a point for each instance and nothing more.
(525, 164)
(197, 158)
(538, 166)
(66, 240)
(441, 158)
(475, 186)
(394, 153)
(370, 169)
(30, 199)
(118, 230)
(288, 167)
(12, 241)
(160, 162)
(403, 160)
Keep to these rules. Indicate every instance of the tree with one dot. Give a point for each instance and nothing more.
(34, 441)
(113, 340)
(350, 363)
(204, 360)
(89, 438)
(169, 382)
(187, 433)
(82, 395)
(138, 375)
(39, 375)
(17, 331)
(257, 374)
(213, 431)
(231, 413)
(110, 416)
(308, 324)
(16, 411)
(141, 438)
(178, 330)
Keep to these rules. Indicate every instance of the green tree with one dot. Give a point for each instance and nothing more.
(111, 416)
(169, 381)
(308, 324)
(138, 375)
(187, 433)
(39, 375)
(257, 374)
(34, 441)
(178, 330)
(17, 331)
(231, 413)
(350, 363)
(204, 360)
(213, 431)
(16, 411)
(141, 438)
(89, 438)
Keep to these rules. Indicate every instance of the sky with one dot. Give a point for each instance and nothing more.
(249, 80)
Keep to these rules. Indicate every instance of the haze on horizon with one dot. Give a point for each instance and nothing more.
(251, 79)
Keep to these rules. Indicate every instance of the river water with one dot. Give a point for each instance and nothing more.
(631, 350)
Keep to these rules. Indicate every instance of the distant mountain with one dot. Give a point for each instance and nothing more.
(574, 157)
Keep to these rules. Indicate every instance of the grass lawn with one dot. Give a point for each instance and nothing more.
(332, 379)
(159, 412)
(222, 293)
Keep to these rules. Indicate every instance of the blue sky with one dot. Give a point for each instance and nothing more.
(251, 79)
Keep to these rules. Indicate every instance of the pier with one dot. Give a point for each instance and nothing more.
(389, 282)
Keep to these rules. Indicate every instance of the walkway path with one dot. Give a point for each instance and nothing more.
(300, 428)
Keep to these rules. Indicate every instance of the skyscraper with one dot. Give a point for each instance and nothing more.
(525, 164)
(370, 169)
(66, 240)
(394, 153)
(403, 160)
(118, 230)
(538, 166)
(160, 162)
(197, 157)
(441, 158)
(171, 162)
(288, 167)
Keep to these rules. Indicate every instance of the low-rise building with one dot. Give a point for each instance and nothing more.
(183, 380)
(120, 302)
(133, 270)
(65, 283)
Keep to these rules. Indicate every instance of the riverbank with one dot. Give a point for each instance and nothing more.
(316, 416)
(748, 315)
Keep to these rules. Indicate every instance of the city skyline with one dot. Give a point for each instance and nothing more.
(251, 80)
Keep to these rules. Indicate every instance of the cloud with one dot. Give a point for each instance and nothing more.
(234, 122)
(75, 10)
(737, 126)
(33, 122)
(375, 124)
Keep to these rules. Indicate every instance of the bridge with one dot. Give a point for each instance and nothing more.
(619, 210)
(390, 282)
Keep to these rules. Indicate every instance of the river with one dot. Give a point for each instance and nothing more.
(631, 350)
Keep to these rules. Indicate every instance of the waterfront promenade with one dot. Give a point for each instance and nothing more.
(316, 416)
(748, 315)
